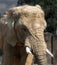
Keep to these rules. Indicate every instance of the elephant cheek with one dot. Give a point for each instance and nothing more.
(11, 37)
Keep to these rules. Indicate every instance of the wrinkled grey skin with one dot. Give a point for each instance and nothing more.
(29, 35)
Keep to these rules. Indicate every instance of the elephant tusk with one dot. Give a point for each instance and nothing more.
(28, 50)
(49, 53)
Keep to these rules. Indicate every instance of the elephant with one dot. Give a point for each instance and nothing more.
(25, 27)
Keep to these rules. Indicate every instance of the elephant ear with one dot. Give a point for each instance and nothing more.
(11, 37)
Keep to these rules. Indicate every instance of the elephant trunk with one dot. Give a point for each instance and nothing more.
(40, 55)
(39, 49)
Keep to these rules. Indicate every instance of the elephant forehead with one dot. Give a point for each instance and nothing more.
(36, 25)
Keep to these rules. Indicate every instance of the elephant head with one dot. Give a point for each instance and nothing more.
(26, 24)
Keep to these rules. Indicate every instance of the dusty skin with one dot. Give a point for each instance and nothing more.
(24, 26)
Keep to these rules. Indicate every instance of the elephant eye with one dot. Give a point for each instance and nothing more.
(23, 28)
